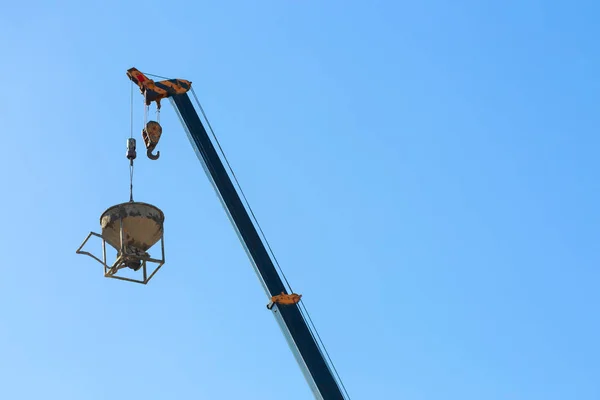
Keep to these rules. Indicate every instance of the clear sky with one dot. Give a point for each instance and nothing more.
(426, 173)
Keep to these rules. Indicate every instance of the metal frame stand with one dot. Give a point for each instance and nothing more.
(123, 257)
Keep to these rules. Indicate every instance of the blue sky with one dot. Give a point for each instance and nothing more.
(425, 173)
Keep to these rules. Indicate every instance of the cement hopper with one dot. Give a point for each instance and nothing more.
(142, 225)
(132, 229)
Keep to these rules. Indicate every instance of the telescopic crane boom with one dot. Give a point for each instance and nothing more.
(282, 304)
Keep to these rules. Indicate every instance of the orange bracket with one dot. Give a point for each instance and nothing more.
(284, 299)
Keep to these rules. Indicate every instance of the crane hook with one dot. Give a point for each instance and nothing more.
(151, 135)
(152, 156)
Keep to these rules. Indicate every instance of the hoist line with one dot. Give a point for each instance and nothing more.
(131, 181)
(131, 110)
(131, 136)
(317, 339)
(241, 190)
(303, 310)
(156, 76)
(339, 378)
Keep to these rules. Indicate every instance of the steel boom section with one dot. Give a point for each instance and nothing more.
(291, 320)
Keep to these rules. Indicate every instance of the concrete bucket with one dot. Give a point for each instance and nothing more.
(142, 225)
(132, 229)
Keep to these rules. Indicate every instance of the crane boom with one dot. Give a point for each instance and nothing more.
(283, 305)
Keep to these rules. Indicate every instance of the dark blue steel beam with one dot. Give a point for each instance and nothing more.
(311, 358)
